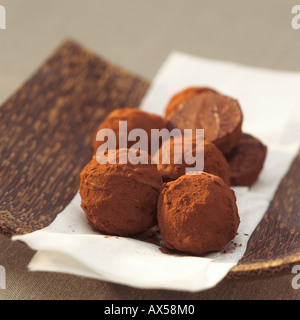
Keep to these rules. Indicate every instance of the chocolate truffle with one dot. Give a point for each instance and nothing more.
(246, 160)
(204, 108)
(214, 160)
(120, 199)
(136, 119)
(197, 214)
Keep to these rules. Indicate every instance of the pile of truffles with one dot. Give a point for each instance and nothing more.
(196, 214)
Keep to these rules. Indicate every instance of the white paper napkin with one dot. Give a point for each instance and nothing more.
(271, 107)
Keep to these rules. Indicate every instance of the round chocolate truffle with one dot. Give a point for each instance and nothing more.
(197, 214)
(120, 199)
(246, 160)
(203, 108)
(214, 160)
(136, 119)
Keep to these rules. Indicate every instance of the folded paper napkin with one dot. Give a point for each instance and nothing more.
(270, 103)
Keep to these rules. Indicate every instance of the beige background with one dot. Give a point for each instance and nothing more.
(138, 35)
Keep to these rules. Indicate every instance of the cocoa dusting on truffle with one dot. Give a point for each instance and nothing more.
(197, 214)
(204, 108)
(246, 160)
(181, 214)
(120, 199)
(136, 119)
(214, 160)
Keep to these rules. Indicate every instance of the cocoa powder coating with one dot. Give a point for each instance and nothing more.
(204, 108)
(214, 161)
(120, 199)
(197, 214)
(136, 119)
(246, 160)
